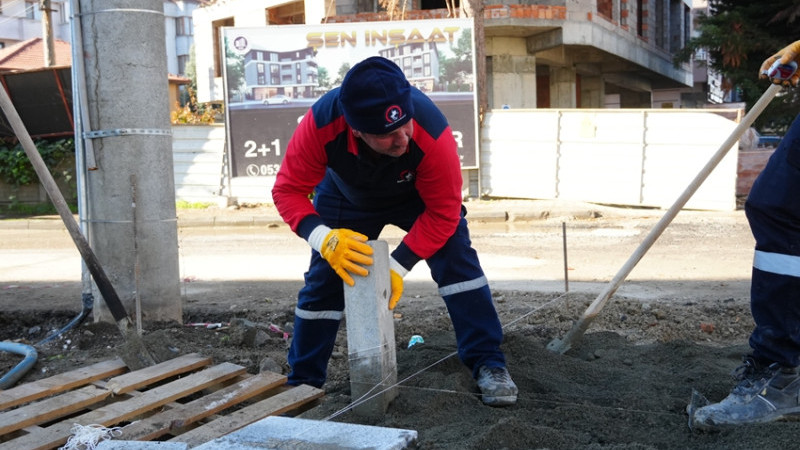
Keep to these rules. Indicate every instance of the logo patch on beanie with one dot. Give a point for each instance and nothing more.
(393, 114)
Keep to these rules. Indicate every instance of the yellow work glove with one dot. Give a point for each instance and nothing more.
(396, 274)
(345, 250)
(785, 56)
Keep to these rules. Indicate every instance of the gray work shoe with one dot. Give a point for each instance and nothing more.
(497, 387)
(764, 394)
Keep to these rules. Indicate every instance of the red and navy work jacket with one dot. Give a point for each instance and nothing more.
(323, 144)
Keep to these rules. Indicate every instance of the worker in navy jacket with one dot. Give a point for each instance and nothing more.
(376, 151)
(768, 386)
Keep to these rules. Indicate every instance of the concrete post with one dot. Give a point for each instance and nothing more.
(593, 92)
(562, 87)
(513, 81)
(370, 337)
(131, 196)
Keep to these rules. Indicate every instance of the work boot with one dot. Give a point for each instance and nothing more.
(764, 394)
(497, 387)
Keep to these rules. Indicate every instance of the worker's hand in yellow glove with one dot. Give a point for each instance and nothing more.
(780, 75)
(345, 250)
(396, 274)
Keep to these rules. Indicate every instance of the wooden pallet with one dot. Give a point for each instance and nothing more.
(185, 399)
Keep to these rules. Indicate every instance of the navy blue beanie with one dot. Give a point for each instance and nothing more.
(376, 97)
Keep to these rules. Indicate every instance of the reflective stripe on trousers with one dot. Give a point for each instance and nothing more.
(773, 212)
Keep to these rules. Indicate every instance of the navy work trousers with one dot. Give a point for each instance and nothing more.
(773, 212)
(455, 268)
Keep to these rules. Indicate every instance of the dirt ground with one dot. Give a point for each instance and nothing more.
(625, 385)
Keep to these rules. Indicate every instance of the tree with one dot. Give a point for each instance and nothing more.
(452, 69)
(234, 71)
(343, 69)
(323, 78)
(189, 111)
(462, 52)
(191, 73)
(738, 35)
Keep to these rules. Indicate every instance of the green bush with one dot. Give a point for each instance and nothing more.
(17, 170)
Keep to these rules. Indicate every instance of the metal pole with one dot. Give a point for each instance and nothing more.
(78, 108)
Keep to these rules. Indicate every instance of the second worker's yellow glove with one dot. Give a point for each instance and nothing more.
(786, 56)
(345, 250)
(396, 274)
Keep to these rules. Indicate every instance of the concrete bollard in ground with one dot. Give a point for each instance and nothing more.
(370, 337)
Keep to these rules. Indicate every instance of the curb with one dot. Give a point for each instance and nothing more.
(487, 212)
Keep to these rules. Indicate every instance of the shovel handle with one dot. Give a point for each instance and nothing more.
(594, 308)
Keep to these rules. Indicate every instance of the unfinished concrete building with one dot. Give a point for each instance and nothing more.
(539, 54)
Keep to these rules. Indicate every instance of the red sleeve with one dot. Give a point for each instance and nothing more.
(439, 185)
(303, 167)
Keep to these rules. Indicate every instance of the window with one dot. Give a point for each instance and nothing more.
(30, 8)
(640, 15)
(439, 4)
(182, 61)
(623, 13)
(605, 8)
(659, 22)
(183, 26)
(261, 76)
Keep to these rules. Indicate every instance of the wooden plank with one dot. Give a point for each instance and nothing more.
(114, 413)
(35, 390)
(160, 424)
(153, 374)
(277, 404)
(51, 408)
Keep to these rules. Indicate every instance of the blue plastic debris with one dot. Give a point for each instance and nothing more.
(415, 339)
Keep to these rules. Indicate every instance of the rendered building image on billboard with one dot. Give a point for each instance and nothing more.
(274, 74)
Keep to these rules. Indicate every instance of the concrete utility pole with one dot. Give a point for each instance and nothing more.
(47, 34)
(131, 196)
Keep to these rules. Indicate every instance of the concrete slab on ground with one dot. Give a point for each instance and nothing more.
(303, 434)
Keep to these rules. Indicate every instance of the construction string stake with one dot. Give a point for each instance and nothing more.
(566, 266)
(136, 268)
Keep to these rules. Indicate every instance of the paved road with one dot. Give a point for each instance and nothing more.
(701, 253)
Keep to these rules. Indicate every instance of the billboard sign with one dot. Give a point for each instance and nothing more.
(274, 74)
